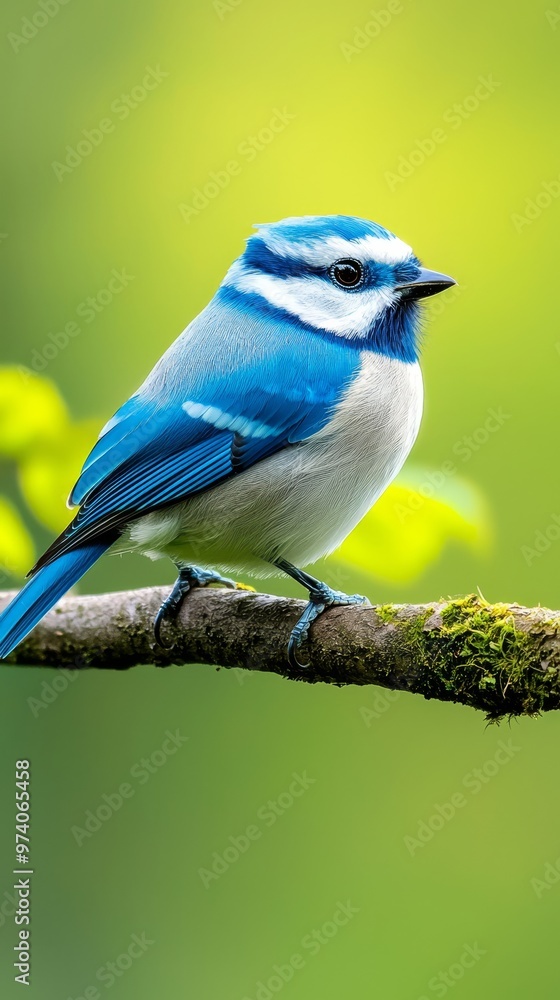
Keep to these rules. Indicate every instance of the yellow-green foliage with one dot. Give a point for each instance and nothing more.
(408, 529)
(16, 546)
(38, 435)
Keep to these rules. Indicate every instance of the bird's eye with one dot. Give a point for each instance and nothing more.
(347, 272)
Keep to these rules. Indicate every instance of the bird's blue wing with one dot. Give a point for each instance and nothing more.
(231, 391)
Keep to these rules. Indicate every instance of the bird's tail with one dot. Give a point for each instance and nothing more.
(43, 590)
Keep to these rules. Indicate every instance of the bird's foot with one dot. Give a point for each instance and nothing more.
(189, 577)
(321, 597)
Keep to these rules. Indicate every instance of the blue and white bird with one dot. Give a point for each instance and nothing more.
(266, 431)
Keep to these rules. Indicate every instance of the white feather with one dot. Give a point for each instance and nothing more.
(222, 420)
(322, 252)
(314, 300)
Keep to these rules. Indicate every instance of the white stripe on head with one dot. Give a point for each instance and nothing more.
(322, 252)
(314, 300)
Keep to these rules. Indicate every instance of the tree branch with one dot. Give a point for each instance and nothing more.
(502, 658)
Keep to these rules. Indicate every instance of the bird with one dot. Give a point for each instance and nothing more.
(265, 432)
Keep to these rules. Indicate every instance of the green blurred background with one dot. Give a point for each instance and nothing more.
(361, 95)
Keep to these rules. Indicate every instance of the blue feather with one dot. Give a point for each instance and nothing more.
(314, 227)
(42, 592)
(271, 376)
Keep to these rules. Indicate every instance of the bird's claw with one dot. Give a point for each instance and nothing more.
(192, 576)
(167, 612)
(297, 639)
(320, 600)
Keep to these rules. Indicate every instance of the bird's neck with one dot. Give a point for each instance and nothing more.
(394, 334)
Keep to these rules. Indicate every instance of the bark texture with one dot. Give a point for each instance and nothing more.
(502, 659)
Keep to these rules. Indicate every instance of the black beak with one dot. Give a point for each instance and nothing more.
(427, 283)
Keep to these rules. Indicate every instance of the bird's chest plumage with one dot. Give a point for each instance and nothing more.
(364, 445)
(303, 501)
(377, 419)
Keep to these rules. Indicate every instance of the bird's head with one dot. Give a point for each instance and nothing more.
(338, 276)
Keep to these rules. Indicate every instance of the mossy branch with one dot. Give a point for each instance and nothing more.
(502, 659)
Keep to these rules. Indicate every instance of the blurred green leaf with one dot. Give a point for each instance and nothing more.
(408, 528)
(37, 433)
(46, 475)
(32, 413)
(16, 547)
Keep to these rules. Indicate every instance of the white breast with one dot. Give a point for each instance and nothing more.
(301, 503)
(382, 408)
(368, 439)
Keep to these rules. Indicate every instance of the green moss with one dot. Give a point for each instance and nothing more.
(487, 654)
(386, 612)
(414, 633)
(470, 651)
(482, 634)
